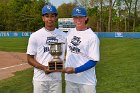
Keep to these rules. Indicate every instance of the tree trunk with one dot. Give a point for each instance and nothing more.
(101, 1)
(110, 16)
(128, 3)
(135, 15)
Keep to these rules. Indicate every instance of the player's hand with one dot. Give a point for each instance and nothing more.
(62, 70)
(46, 70)
(69, 70)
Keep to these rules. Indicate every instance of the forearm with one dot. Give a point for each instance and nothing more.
(88, 65)
(34, 63)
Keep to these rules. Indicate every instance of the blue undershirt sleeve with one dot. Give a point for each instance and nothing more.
(89, 64)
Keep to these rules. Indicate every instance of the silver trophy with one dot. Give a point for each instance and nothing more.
(55, 50)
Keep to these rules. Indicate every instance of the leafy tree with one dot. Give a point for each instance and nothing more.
(2, 18)
(31, 16)
(22, 15)
(65, 10)
(93, 18)
(25, 15)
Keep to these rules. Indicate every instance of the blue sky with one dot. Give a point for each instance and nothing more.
(59, 2)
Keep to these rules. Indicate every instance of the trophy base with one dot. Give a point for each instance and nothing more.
(53, 65)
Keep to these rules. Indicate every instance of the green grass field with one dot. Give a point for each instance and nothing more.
(117, 72)
(13, 44)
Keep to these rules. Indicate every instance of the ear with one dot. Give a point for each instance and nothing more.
(43, 18)
(56, 19)
(86, 18)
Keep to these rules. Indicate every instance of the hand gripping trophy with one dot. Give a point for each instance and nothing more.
(56, 63)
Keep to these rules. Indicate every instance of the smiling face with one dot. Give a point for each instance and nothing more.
(80, 22)
(49, 20)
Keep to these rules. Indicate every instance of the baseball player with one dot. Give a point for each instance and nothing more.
(82, 55)
(38, 53)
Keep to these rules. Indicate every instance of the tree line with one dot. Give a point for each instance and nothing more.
(104, 15)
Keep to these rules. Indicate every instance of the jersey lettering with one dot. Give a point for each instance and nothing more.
(51, 40)
(74, 44)
(74, 49)
(46, 49)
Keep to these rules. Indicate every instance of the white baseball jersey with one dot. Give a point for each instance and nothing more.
(38, 46)
(81, 47)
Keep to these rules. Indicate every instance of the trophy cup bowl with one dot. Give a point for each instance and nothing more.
(56, 63)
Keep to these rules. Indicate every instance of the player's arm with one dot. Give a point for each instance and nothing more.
(34, 63)
(88, 65)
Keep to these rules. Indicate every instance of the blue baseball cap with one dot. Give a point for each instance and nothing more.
(49, 9)
(79, 11)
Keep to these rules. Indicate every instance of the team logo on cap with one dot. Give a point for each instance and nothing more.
(49, 7)
(78, 10)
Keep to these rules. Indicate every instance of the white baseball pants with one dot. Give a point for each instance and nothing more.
(47, 87)
(79, 88)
